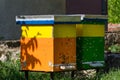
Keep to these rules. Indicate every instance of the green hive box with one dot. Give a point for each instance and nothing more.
(90, 42)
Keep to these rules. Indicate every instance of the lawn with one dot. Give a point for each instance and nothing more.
(9, 70)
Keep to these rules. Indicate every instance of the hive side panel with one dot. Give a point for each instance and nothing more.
(37, 48)
(42, 31)
(65, 47)
(90, 46)
(90, 30)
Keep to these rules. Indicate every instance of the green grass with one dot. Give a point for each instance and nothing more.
(114, 74)
(10, 71)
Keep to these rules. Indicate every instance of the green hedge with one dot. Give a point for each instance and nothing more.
(114, 11)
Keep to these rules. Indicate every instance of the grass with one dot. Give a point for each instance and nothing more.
(114, 74)
(10, 71)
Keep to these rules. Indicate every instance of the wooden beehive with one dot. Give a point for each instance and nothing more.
(48, 42)
(90, 42)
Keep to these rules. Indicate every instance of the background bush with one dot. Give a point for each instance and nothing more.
(114, 11)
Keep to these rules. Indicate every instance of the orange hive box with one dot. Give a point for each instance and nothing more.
(48, 42)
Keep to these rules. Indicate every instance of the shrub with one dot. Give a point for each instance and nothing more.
(114, 11)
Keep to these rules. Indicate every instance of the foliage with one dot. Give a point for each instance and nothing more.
(114, 74)
(114, 11)
(10, 71)
(115, 48)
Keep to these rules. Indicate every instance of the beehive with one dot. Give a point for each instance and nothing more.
(48, 42)
(90, 42)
